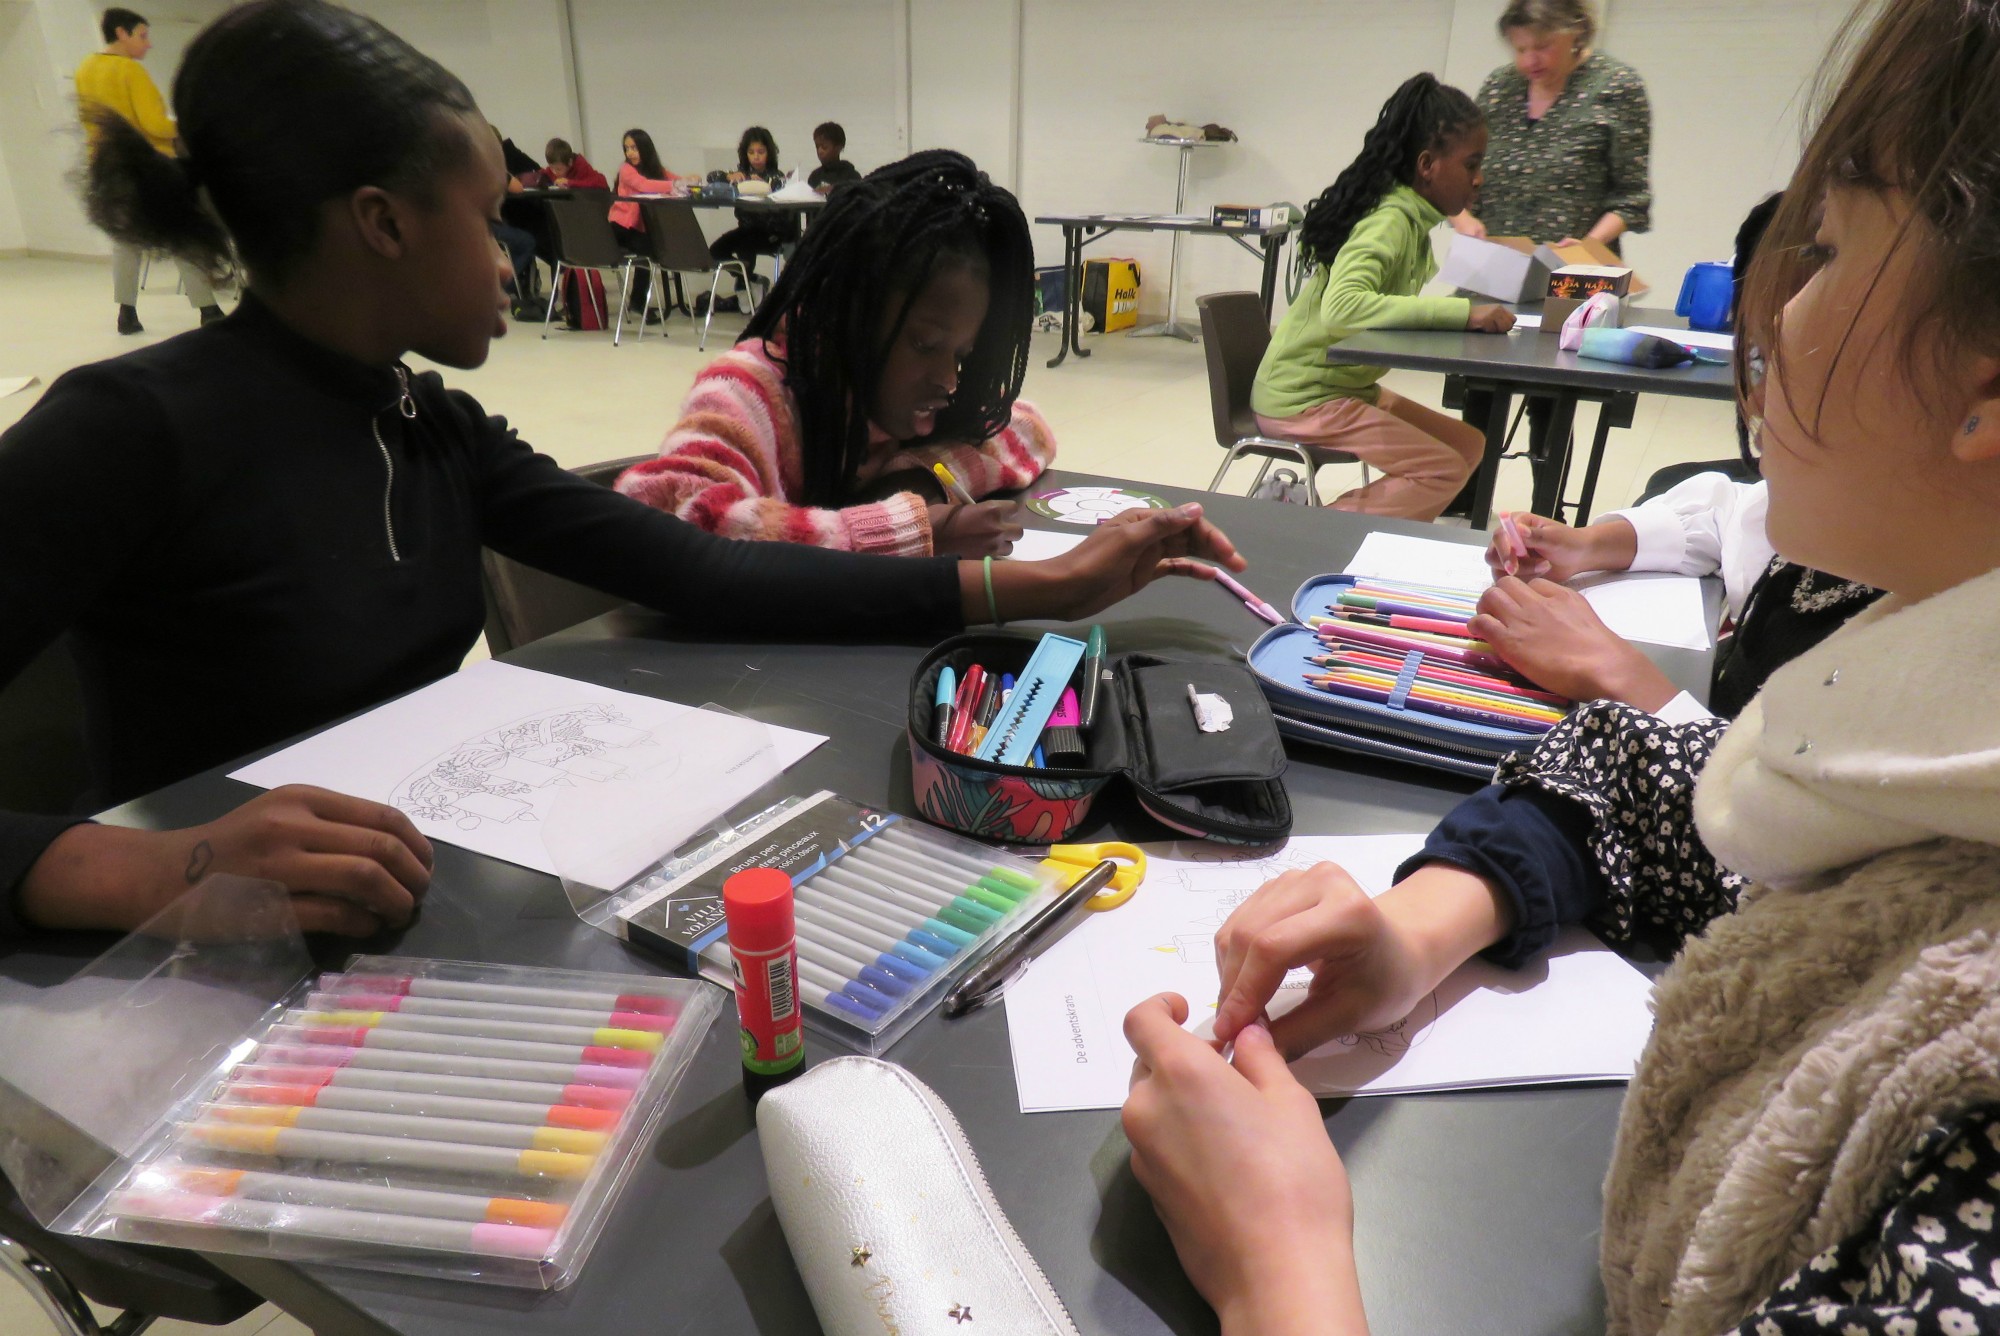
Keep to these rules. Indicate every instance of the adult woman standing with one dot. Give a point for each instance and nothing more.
(1571, 133)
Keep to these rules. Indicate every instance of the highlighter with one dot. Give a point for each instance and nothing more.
(1093, 672)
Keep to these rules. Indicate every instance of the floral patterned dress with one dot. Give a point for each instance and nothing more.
(1587, 156)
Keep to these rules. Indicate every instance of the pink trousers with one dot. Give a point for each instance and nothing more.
(1417, 474)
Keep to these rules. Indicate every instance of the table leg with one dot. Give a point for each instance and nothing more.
(1550, 459)
(1171, 328)
(1597, 445)
(1072, 297)
(1274, 247)
(1501, 401)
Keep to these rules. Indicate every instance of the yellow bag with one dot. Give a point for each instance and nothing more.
(1111, 293)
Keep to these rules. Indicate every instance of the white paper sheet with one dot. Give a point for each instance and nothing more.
(1650, 606)
(9, 384)
(1528, 320)
(1041, 544)
(479, 758)
(1577, 1014)
(1690, 338)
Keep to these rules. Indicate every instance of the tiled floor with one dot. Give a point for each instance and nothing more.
(1137, 409)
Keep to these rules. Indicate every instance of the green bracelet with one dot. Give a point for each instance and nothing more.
(992, 607)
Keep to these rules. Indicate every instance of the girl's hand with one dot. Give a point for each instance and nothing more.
(1243, 1176)
(737, 176)
(1551, 635)
(1559, 552)
(1370, 967)
(1467, 226)
(1490, 320)
(1122, 556)
(987, 529)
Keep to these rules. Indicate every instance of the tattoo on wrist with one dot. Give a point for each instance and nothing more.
(199, 859)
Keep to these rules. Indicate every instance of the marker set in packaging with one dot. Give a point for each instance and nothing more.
(888, 912)
(438, 1118)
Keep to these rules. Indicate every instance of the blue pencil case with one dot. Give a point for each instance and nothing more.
(1282, 658)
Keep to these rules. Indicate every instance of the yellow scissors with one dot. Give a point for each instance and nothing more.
(1076, 859)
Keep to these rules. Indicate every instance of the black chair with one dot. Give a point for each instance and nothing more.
(583, 237)
(675, 245)
(143, 1283)
(1234, 334)
(524, 604)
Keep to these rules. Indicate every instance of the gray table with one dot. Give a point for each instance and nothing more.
(1082, 229)
(1530, 364)
(1478, 1212)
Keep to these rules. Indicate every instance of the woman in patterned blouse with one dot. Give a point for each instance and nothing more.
(1571, 134)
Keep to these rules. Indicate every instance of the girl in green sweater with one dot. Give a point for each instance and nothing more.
(1367, 242)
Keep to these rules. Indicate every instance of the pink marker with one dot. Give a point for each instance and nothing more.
(609, 1098)
(499, 1011)
(1516, 547)
(331, 1222)
(1256, 605)
(411, 986)
(452, 1045)
(297, 1051)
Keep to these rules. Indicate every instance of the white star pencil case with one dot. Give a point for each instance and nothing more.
(896, 1230)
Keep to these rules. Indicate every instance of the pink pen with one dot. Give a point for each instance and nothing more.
(1516, 547)
(1250, 600)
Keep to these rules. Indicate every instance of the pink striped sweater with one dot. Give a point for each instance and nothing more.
(731, 465)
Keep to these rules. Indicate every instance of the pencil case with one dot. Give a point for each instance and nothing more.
(1225, 786)
(434, 1118)
(895, 1229)
(1281, 659)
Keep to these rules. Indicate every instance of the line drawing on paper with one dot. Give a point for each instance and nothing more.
(512, 773)
(1228, 885)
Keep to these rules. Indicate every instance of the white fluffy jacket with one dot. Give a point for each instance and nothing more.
(1804, 1042)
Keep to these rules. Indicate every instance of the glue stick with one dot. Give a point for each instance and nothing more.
(763, 949)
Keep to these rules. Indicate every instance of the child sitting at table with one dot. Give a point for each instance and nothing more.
(1811, 1142)
(640, 174)
(757, 231)
(1367, 242)
(274, 521)
(829, 142)
(569, 170)
(897, 338)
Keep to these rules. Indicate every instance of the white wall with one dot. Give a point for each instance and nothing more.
(513, 54)
(965, 81)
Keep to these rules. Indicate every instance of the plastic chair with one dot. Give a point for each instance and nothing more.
(675, 245)
(144, 1283)
(524, 604)
(1233, 336)
(581, 229)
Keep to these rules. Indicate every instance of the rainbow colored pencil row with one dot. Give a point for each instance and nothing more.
(414, 1112)
(1377, 632)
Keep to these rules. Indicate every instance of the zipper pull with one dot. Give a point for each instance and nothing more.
(404, 403)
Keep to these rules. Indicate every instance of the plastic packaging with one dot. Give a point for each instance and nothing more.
(890, 911)
(435, 1118)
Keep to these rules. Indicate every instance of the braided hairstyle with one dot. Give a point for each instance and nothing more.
(1421, 116)
(283, 105)
(842, 300)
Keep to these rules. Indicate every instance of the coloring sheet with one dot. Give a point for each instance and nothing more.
(1652, 606)
(1579, 1013)
(480, 758)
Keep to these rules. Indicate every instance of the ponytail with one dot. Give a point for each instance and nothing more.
(1423, 115)
(144, 198)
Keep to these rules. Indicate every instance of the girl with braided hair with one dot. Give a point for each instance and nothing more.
(1366, 241)
(272, 521)
(896, 338)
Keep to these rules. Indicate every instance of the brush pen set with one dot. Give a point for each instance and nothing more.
(1155, 724)
(429, 1117)
(888, 912)
(1390, 668)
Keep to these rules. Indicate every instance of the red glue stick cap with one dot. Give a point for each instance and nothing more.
(758, 905)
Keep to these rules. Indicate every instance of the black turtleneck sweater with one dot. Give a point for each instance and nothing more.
(247, 536)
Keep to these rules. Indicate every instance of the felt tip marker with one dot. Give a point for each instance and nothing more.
(1093, 673)
(459, 1131)
(451, 1045)
(328, 1222)
(499, 1011)
(497, 992)
(291, 1189)
(1257, 606)
(610, 1036)
(542, 1093)
(299, 1052)
(947, 690)
(299, 1143)
(951, 484)
(327, 1096)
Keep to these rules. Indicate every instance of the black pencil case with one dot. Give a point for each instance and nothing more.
(1226, 786)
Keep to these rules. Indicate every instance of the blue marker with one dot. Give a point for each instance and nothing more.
(947, 691)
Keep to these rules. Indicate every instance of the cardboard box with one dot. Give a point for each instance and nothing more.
(1515, 269)
(1503, 268)
(1111, 293)
(1574, 284)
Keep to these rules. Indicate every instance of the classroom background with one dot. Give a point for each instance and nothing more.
(1050, 97)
